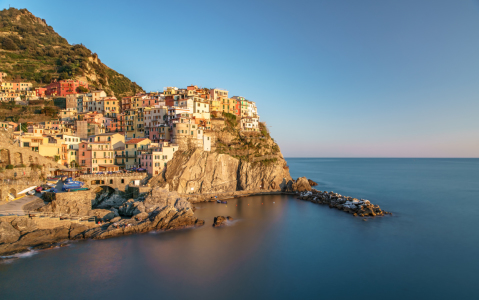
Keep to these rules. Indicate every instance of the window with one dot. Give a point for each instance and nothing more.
(123, 181)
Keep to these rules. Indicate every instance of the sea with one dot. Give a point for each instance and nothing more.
(278, 247)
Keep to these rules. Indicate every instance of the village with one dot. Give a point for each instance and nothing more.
(95, 133)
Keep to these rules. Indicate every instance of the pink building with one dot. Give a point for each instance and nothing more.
(154, 160)
(96, 156)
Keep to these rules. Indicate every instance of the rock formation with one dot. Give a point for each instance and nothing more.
(357, 207)
(219, 221)
(205, 172)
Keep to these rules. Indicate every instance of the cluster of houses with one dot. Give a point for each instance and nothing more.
(20, 91)
(98, 133)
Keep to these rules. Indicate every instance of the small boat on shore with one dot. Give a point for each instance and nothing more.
(221, 202)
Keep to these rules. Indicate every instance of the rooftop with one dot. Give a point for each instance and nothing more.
(135, 141)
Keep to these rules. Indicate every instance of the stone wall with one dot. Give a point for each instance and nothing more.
(117, 182)
(71, 203)
(14, 188)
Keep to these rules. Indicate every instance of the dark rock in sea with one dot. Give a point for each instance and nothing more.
(312, 183)
(354, 206)
(219, 221)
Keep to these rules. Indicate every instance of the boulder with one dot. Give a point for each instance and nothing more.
(312, 183)
(24, 224)
(77, 231)
(161, 197)
(229, 218)
(219, 221)
(103, 214)
(302, 185)
(141, 216)
(8, 234)
(115, 219)
(114, 201)
(115, 212)
(131, 208)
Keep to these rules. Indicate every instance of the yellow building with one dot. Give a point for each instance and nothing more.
(115, 139)
(111, 107)
(131, 154)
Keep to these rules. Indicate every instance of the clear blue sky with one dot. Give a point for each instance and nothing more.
(331, 78)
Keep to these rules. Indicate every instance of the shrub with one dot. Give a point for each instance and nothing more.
(9, 167)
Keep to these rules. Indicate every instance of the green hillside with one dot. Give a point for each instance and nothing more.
(33, 51)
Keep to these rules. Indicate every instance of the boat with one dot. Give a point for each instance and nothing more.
(221, 202)
(79, 189)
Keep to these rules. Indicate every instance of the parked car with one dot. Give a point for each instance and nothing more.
(39, 189)
(32, 192)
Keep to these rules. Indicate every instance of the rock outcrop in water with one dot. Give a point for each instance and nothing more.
(357, 207)
(219, 221)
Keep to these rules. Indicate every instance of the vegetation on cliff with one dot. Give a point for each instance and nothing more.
(256, 147)
(31, 50)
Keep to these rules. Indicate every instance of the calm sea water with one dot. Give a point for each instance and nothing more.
(282, 248)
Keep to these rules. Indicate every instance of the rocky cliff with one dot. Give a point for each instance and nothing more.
(207, 172)
(238, 161)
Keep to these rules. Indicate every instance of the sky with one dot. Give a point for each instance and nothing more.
(330, 78)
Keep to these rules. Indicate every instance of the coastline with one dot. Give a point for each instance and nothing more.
(32, 232)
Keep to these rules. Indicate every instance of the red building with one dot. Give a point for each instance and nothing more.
(64, 87)
(40, 92)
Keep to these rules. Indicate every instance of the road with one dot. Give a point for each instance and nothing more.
(15, 207)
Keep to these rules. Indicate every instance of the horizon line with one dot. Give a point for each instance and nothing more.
(382, 157)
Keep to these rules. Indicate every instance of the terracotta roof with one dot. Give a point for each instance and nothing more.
(135, 141)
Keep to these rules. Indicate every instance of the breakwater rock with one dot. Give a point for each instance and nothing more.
(357, 207)
(221, 220)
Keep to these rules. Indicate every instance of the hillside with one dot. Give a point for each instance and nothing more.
(33, 51)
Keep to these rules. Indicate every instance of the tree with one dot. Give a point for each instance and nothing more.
(9, 44)
(47, 78)
(82, 89)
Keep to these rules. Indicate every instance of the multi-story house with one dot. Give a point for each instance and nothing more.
(134, 123)
(111, 107)
(129, 156)
(64, 87)
(96, 156)
(67, 115)
(154, 159)
(115, 139)
(252, 110)
(242, 106)
(97, 95)
(250, 123)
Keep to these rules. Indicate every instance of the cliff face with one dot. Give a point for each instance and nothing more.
(205, 172)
